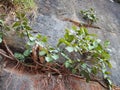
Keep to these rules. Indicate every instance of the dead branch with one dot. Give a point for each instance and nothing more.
(80, 24)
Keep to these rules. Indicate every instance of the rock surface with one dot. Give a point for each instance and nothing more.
(48, 21)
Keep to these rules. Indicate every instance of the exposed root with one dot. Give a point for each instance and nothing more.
(8, 50)
(3, 53)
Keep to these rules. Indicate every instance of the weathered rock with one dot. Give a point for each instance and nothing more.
(50, 13)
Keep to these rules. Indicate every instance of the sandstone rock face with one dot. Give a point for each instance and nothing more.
(49, 21)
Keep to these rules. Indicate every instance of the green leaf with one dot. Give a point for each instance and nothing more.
(109, 64)
(30, 43)
(1, 35)
(74, 28)
(42, 53)
(7, 28)
(1, 22)
(22, 15)
(107, 73)
(90, 47)
(95, 44)
(94, 70)
(85, 30)
(27, 27)
(19, 56)
(104, 70)
(86, 75)
(69, 49)
(105, 55)
(74, 71)
(84, 65)
(65, 56)
(32, 38)
(44, 39)
(54, 51)
(106, 43)
(68, 36)
(39, 36)
(62, 40)
(98, 40)
(109, 81)
(25, 23)
(40, 43)
(16, 24)
(67, 64)
(55, 56)
(49, 59)
(89, 70)
(27, 52)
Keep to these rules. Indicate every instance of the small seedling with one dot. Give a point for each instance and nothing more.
(89, 15)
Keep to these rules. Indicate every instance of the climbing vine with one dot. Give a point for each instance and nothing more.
(82, 52)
